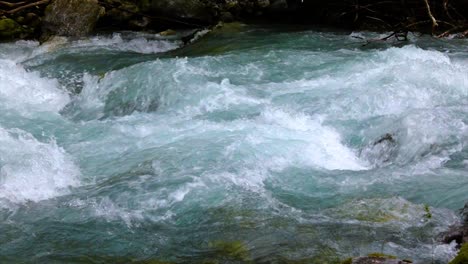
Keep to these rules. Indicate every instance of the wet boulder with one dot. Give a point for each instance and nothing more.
(382, 151)
(464, 213)
(73, 18)
(457, 233)
(123, 15)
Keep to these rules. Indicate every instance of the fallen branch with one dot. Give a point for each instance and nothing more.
(429, 12)
(27, 6)
(7, 4)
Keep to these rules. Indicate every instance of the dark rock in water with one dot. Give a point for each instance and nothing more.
(458, 233)
(382, 151)
(464, 213)
(376, 259)
(387, 137)
(72, 18)
(10, 29)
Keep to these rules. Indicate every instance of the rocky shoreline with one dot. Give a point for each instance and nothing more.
(43, 18)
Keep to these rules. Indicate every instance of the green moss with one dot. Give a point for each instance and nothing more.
(232, 250)
(381, 255)
(377, 217)
(9, 28)
(462, 257)
(347, 261)
(428, 214)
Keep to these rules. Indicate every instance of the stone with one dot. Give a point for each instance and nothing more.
(457, 233)
(464, 213)
(278, 6)
(10, 29)
(168, 32)
(73, 18)
(263, 3)
(182, 9)
(226, 17)
(139, 23)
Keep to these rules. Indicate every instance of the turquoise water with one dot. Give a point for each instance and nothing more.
(251, 145)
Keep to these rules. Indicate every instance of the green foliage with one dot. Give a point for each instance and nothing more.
(462, 257)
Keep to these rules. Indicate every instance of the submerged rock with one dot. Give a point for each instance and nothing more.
(464, 213)
(168, 32)
(382, 151)
(74, 18)
(457, 233)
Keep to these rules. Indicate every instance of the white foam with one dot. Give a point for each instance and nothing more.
(23, 90)
(145, 44)
(319, 145)
(200, 34)
(388, 82)
(18, 51)
(31, 170)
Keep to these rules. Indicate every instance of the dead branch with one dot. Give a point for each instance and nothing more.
(429, 12)
(28, 6)
(7, 4)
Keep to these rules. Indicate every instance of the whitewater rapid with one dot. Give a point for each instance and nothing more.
(301, 145)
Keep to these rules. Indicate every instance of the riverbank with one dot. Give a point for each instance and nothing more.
(76, 18)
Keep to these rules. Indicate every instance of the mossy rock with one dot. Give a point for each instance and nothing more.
(72, 18)
(10, 29)
(462, 257)
(381, 255)
(382, 211)
(347, 261)
(231, 250)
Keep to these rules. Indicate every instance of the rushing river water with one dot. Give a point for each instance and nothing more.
(249, 145)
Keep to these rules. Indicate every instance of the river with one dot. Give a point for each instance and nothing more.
(250, 145)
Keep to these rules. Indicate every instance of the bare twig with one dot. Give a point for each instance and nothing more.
(27, 6)
(429, 12)
(8, 4)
